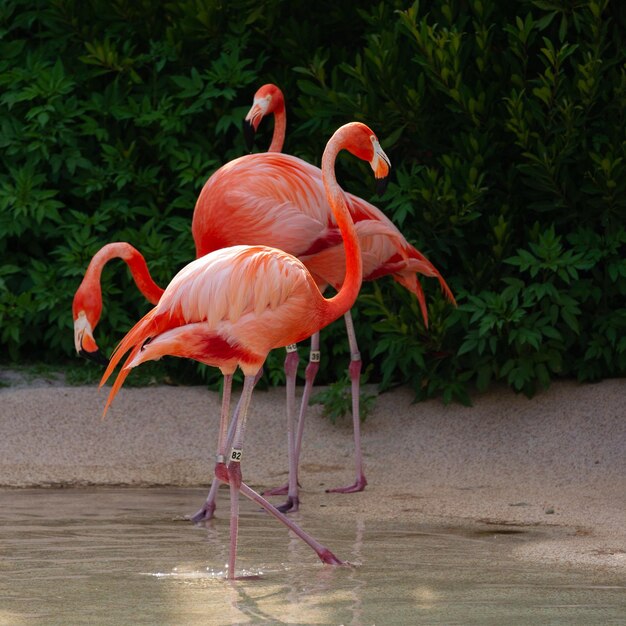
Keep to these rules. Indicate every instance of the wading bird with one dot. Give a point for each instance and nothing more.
(278, 200)
(229, 308)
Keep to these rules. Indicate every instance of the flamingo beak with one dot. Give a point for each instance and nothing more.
(382, 167)
(259, 109)
(84, 342)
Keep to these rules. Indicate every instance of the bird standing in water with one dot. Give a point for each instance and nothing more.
(229, 308)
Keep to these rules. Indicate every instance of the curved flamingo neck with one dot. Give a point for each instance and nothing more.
(347, 294)
(280, 128)
(89, 294)
(141, 275)
(136, 264)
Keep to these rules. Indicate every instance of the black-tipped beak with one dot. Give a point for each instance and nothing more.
(96, 357)
(381, 185)
(248, 134)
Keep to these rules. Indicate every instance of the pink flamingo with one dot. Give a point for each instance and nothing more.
(87, 309)
(228, 309)
(279, 200)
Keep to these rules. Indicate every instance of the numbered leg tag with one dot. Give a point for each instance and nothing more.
(292, 347)
(314, 356)
(235, 455)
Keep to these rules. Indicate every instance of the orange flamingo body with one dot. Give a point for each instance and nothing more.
(232, 306)
(229, 308)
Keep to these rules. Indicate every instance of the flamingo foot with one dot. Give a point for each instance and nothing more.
(326, 556)
(291, 506)
(359, 485)
(206, 513)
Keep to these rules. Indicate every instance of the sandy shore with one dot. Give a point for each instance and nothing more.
(557, 460)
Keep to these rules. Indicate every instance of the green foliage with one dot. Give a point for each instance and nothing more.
(504, 122)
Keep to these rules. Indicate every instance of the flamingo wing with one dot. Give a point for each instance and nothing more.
(384, 252)
(271, 198)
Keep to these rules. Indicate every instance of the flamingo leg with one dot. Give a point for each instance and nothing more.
(232, 472)
(208, 508)
(234, 479)
(309, 377)
(207, 511)
(325, 555)
(225, 415)
(291, 369)
(355, 375)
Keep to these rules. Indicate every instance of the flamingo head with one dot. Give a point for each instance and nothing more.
(268, 99)
(84, 341)
(363, 143)
(86, 310)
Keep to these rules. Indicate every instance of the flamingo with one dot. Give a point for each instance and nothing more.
(278, 200)
(228, 309)
(87, 308)
(87, 303)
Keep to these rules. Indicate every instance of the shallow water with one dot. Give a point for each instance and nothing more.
(126, 556)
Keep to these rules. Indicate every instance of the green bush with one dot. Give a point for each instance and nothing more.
(504, 122)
